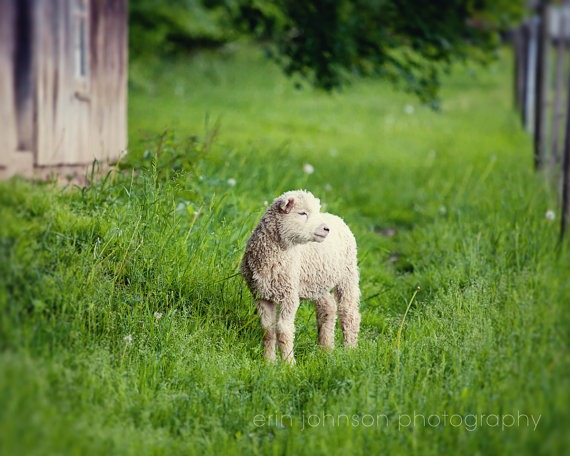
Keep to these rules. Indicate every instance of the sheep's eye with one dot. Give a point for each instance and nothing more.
(303, 213)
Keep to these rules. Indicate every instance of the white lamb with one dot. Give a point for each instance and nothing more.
(296, 252)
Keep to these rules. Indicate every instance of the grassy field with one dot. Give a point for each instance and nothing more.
(125, 330)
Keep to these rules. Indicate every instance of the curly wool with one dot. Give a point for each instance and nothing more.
(296, 252)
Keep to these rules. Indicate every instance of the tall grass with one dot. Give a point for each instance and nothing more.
(125, 330)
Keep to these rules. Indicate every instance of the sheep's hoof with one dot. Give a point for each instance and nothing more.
(351, 345)
(290, 361)
(327, 348)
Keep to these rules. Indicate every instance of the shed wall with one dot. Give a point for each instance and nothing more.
(49, 112)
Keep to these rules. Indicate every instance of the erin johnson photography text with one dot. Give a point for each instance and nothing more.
(404, 421)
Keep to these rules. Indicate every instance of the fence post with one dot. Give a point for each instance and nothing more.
(557, 111)
(523, 65)
(565, 212)
(541, 87)
(518, 85)
(530, 74)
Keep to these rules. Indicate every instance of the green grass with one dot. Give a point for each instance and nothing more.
(124, 329)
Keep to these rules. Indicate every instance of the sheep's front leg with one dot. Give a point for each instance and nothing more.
(286, 329)
(268, 317)
(326, 318)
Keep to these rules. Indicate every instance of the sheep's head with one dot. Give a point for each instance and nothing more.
(299, 218)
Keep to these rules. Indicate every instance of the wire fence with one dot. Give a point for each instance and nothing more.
(542, 92)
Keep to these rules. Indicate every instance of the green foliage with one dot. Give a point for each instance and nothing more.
(409, 42)
(329, 43)
(124, 330)
(177, 26)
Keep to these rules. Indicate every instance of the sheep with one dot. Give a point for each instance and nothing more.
(296, 252)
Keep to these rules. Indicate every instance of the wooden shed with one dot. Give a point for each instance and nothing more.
(63, 84)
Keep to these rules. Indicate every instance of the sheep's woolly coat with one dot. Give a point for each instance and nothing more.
(296, 252)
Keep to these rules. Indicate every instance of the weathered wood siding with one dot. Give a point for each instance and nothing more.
(10, 156)
(109, 77)
(60, 106)
(7, 111)
(60, 113)
(81, 121)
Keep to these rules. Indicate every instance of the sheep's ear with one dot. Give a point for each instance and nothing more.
(286, 205)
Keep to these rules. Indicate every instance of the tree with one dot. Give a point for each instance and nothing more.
(175, 27)
(409, 42)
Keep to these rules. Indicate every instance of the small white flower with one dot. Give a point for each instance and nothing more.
(181, 207)
(128, 339)
(308, 168)
(232, 182)
(158, 315)
(550, 215)
(265, 203)
(409, 109)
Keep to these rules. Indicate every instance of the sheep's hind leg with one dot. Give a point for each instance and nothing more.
(268, 317)
(286, 330)
(326, 319)
(348, 297)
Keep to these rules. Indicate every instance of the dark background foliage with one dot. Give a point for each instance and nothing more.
(329, 42)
